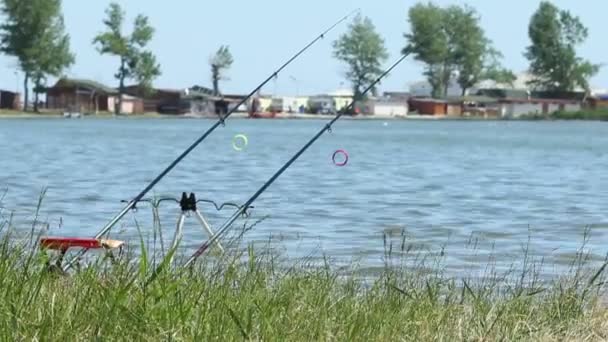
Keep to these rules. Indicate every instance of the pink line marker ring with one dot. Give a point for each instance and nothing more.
(343, 153)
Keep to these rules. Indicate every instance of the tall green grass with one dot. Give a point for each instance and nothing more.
(251, 295)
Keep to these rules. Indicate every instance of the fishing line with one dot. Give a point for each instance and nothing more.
(220, 122)
(224, 228)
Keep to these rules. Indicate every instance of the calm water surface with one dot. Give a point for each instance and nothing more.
(482, 190)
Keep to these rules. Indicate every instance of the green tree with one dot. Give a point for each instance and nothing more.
(428, 40)
(493, 70)
(34, 34)
(52, 56)
(554, 34)
(453, 45)
(135, 62)
(220, 63)
(362, 49)
(469, 45)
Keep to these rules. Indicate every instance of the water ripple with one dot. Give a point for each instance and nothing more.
(496, 187)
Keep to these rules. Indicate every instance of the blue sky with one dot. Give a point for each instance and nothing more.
(263, 34)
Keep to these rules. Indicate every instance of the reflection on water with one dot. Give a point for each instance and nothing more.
(445, 184)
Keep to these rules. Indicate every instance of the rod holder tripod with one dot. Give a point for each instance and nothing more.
(188, 206)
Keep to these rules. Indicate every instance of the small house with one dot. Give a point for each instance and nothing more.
(195, 100)
(599, 102)
(10, 100)
(386, 106)
(513, 108)
(153, 99)
(479, 106)
(84, 96)
(322, 104)
(342, 98)
(284, 104)
(264, 103)
(234, 100)
(288, 104)
(129, 104)
(429, 106)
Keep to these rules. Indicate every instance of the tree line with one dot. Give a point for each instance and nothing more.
(453, 46)
(449, 41)
(33, 32)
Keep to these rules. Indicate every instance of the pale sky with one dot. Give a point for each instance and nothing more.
(264, 34)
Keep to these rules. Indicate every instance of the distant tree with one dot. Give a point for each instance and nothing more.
(553, 60)
(220, 63)
(493, 70)
(135, 62)
(428, 41)
(362, 49)
(34, 34)
(453, 45)
(52, 56)
(468, 43)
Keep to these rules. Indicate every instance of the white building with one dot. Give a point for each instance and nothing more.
(388, 107)
(288, 104)
(517, 108)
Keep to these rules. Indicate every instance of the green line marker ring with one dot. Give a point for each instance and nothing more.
(240, 142)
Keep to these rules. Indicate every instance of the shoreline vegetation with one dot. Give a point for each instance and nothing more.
(584, 115)
(253, 293)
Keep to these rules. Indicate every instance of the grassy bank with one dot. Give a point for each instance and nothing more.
(260, 299)
(254, 294)
(598, 115)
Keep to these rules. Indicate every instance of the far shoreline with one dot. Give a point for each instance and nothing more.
(237, 115)
(9, 115)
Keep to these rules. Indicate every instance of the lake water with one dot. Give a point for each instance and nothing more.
(481, 190)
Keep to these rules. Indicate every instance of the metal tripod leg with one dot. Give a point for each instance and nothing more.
(179, 230)
(205, 225)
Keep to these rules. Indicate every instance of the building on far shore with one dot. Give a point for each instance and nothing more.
(289, 104)
(599, 102)
(153, 100)
(321, 104)
(513, 103)
(264, 103)
(342, 98)
(332, 102)
(79, 95)
(429, 106)
(130, 104)
(88, 97)
(386, 106)
(194, 100)
(513, 108)
(389, 104)
(10, 100)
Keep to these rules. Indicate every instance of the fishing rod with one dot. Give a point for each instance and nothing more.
(131, 204)
(224, 228)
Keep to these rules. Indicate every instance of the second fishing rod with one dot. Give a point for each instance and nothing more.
(224, 228)
(131, 204)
